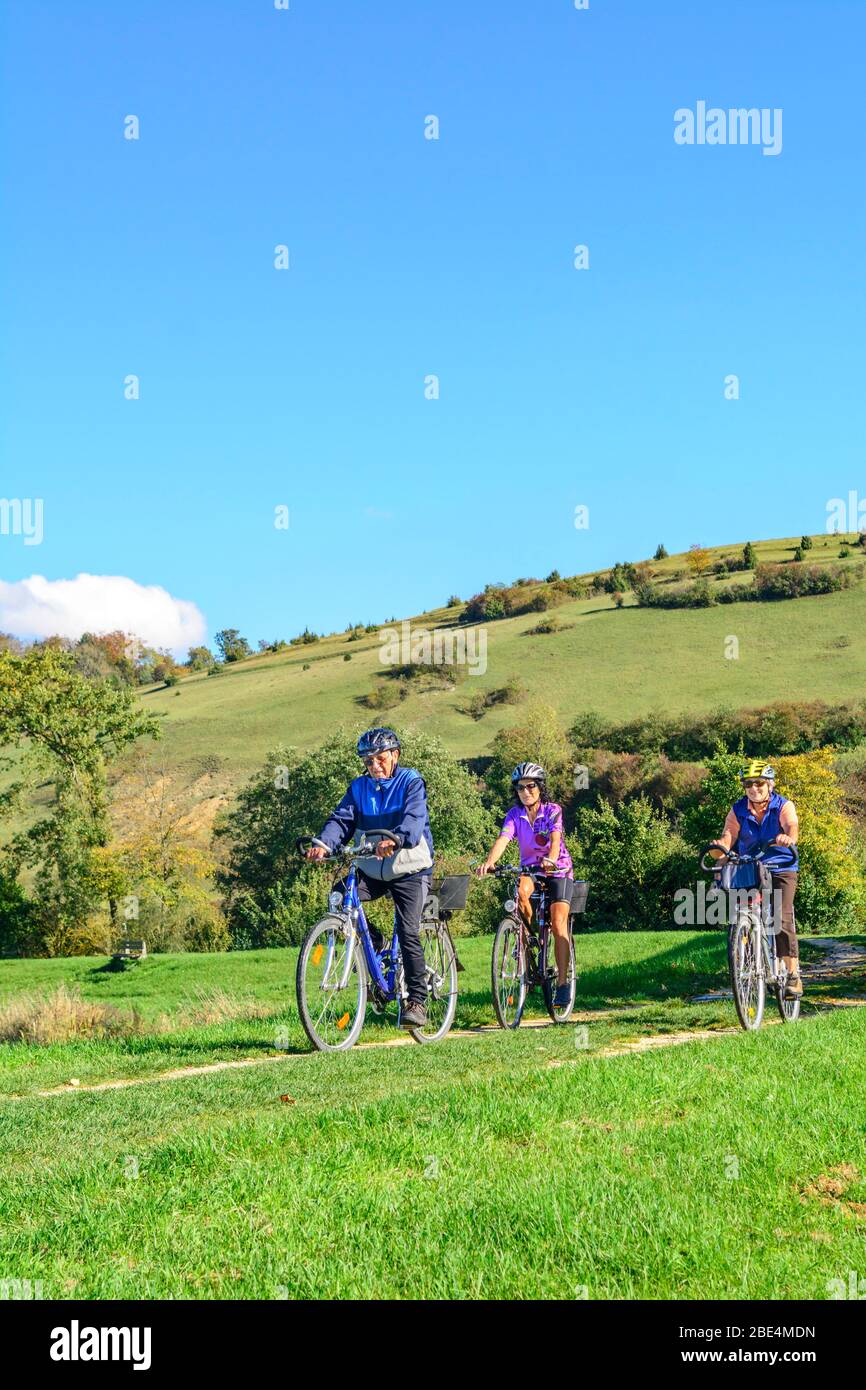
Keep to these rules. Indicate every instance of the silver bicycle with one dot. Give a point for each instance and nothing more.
(754, 965)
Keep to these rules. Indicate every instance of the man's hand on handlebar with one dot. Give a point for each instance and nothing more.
(385, 848)
(785, 841)
(316, 852)
(484, 869)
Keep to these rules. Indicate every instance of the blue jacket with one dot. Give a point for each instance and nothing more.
(397, 803)
(752, 835)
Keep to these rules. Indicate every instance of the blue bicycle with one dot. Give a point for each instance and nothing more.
(339, 968)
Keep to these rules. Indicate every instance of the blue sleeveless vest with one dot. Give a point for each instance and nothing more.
(752, 835)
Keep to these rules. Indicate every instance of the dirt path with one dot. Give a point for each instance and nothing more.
(181, 1073)
(839, 958)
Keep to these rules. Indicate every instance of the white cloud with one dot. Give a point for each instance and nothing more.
(40, 607)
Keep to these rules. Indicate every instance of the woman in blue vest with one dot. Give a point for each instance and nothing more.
(761, 818)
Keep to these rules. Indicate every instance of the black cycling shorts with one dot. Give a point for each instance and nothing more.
(558, 890)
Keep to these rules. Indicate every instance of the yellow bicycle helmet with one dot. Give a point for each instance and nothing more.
(758, 768)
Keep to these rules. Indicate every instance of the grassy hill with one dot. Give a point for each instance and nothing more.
(621, 662)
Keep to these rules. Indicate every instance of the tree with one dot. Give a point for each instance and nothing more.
(541, 738)
(660, 553)
(199, 658)
(749, 555)
(806, 543)
(699, 560)
(166, 870)
(72, 727)
(232, 646)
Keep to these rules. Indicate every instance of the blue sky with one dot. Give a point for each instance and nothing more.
(410, 257)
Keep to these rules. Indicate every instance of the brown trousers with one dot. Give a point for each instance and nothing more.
(784, 889)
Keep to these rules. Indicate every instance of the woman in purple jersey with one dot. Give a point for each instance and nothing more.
(536, 823)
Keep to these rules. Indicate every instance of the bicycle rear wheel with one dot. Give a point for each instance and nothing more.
(508, 973)
(331, 984)
(550, 978)
(747, 979)
(440, 963)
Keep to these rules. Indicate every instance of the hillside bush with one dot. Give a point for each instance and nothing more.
(769, 730)
(634, 864)
(802, 580)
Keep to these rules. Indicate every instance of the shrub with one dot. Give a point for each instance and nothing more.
(634, 864)
(832, 888)
(547, 625)
(493, 603)
(20, 932)
(798, 580)
(484, 700)
(384, 696)
(750, 557)
(781, 727)
(805, 543)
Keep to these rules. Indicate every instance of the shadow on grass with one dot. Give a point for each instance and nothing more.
(697, 964)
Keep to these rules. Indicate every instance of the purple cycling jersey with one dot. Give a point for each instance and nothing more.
(533, 839)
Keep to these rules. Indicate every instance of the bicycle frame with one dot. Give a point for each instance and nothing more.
(538, 933)
(386, 981)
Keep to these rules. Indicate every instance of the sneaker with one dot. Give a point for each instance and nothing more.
(414, 1015)
(794, 987)
(562, 997)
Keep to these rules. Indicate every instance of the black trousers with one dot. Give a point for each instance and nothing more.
(408, 894)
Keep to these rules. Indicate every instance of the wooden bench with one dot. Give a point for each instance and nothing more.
(130, 950)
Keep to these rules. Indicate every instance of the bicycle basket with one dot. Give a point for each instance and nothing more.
(744, 876)
(579, 890)
(452, 892)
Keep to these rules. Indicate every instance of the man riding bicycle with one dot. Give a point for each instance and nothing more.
(536, 823)
(391, 799)
(763, 819)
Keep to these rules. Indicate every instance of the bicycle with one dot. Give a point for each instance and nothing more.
(525, 957)
(752, 959)
(335, 978)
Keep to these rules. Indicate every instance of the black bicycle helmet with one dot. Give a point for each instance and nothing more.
(531, 770)
(377, 741)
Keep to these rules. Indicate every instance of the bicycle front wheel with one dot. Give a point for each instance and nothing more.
(332, 985)
(788, 1008)
(508, 973)
(747, 979)
(550, 981)
(440, 966)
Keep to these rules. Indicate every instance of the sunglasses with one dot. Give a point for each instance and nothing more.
(526, 786)
(752, 782)
(372, 758)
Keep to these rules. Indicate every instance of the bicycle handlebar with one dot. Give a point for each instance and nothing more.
(360, 851)
(506, 870)
(730, 856)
